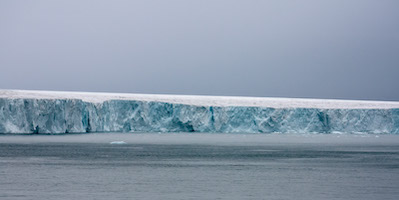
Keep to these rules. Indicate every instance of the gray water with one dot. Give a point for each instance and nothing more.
(199, 166)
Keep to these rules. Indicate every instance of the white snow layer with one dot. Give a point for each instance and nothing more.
(220, 101)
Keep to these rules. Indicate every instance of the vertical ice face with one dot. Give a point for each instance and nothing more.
(38, 115)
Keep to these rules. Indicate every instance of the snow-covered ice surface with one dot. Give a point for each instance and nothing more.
(76, 112)
(219, 101)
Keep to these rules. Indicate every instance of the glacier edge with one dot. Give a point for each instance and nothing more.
(52, 116)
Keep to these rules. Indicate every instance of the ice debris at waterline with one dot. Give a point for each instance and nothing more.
(74, 112)
(118, 142)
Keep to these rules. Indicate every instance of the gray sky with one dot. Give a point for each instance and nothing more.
(345, 49)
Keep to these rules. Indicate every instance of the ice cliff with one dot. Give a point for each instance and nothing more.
(68, 112)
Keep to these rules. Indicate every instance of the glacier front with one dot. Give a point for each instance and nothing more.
(75, 112)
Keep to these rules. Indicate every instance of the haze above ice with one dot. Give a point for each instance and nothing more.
(343, 49)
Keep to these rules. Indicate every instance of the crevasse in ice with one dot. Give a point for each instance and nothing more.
(76, 116)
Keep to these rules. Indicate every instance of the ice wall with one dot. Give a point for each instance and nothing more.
(18, 115)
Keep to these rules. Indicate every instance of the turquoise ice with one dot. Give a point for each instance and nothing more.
(38, 115)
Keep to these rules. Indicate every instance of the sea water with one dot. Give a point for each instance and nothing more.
(199, 166)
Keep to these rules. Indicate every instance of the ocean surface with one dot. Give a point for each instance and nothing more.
(199, 166)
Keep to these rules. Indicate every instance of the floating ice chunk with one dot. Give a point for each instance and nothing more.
(118, 142)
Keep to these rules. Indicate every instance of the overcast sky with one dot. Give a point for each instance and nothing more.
(342, 49)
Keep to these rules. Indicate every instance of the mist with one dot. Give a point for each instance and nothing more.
(315, 49)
